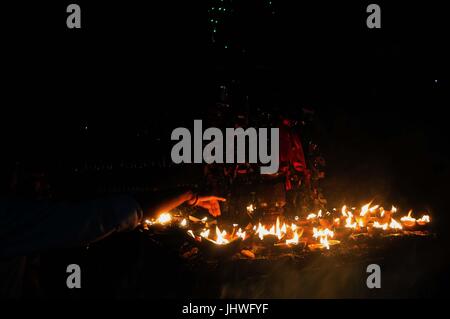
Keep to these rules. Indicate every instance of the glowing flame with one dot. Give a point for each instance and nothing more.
(395, 224)
(425, 219)
(364, 210)
(323, 235)
(408, 220)
(191, 233)
(319, 214)
(205, 233)
(221, 240)
(393, 209)
(275, 230)
(381, 226)
(343, 210)
(261, 231)
(240, 234)
(250, 208)
(324, 242)
(164, 218)
(183, 223)
(348, 221)
(293, 240)
(311, 216)
(278, 230)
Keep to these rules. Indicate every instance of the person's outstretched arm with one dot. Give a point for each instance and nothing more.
(28, 227)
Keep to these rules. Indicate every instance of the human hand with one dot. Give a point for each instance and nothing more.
(211, 203)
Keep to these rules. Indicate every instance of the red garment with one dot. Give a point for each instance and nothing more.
(291, 153)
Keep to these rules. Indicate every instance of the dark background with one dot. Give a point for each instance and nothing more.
(116, 88)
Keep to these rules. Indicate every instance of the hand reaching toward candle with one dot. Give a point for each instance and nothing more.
(155, 206)
(211, 203)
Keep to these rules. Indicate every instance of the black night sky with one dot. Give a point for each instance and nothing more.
(379, 95)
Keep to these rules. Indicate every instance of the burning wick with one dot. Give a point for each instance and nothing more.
(205, 233)
(191, 233)
(240, 234)
(221, 240)
(164, 218)
(343, 211)
(381, 226)
(408, 221)
(425, 219)
(348, 221)
(294, 240)
(395, 224)
(364, 210)
(323, 235)
(275, 230)
(183, 223)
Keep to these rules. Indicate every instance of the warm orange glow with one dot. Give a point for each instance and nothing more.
(380, 226)
(425, 219)
(240, 234)
(275, 230)
(220, 237)
(374, 208)
(164, 218)
(283, 233)
(344, 211)
(205, 233)
(293, 240)
(408, 221)
(323, 235)
(394, 224)
(191, 233)
(364, 210)
(349, 221)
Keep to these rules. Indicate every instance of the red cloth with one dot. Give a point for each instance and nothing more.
(291, 153)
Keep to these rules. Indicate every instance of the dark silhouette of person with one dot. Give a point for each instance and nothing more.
(29, 227)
